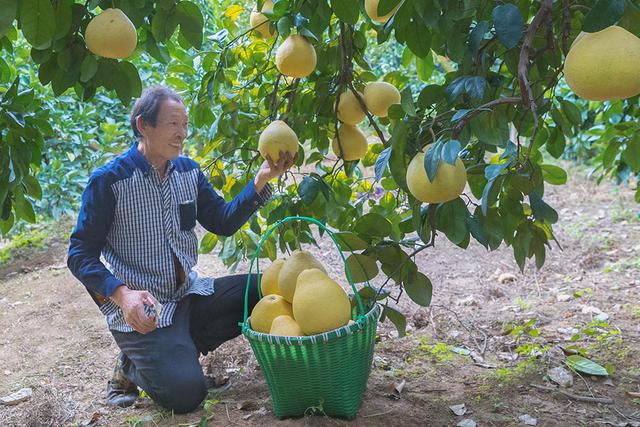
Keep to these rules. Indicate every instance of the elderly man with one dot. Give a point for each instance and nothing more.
(139, 212)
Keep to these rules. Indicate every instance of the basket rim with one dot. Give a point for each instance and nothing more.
(359, 323)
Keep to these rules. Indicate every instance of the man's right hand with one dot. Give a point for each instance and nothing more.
(132, 305)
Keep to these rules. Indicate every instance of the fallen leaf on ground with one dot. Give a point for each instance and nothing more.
(17, 397)
(459, 410)
(560, 376)
(94, 418)
(506, 277)
(394, 390)
(528, 420)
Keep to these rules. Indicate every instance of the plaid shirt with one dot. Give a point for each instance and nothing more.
(141, 224)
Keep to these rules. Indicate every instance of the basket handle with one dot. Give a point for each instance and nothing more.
(256, 256)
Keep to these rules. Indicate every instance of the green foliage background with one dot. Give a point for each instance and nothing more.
(63, 111)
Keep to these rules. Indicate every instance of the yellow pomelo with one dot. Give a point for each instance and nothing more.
(448, 183)
(267, 309)
(261, 21)
(269, 279)
(276, 137)
(285, 326)
(604, 65)
(296, 263)
(349, 109)
(296, 57)
(320, 304)
(371, 7)
(379, 96)
(352, 141)
(111, 35)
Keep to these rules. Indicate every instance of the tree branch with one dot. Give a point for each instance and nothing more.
(528, 99)
(274, 98)
(566, 25)
(603, 400)
(345, 79)
(363, 106)
(292, 97)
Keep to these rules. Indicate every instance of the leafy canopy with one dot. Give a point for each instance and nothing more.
(476, 78)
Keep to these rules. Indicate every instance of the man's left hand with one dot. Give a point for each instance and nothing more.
(270, 169)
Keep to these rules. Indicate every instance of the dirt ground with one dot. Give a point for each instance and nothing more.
(459, 351)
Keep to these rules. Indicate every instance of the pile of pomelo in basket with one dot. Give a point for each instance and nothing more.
(299, 298)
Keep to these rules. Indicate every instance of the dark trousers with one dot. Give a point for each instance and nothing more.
(164, 363)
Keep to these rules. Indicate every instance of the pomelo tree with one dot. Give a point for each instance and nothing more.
(480, 82)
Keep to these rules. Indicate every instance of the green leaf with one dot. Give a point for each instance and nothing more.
(474, 224)
(208, 243)
(349, 241)
(386, 6)
(631, 154)
(637, 196)
(521, 244)
(228, 248)
(490, 193)
(452, 220)
(418, 38)
(430, 95)
(476, 36)
(163, 25)
(610, 153)
(191, 22)
(398, 160)
(474, 86)
(554, 175)
(571, 112)
(346, 10)
(492, 225)
(308, 189)
(308, 34)
(541, 210)
(382, 162)
(63, 18)
(373, 224)
(23, 208)
(604, 14)
(557, 143)
(432, 159)
(8, 11)
(88, 68)
(128, 87)
(38, 22)
(491, 172)
(397, 319)
(509, 24)
(418, 287)
(425, 67)
(450, 151)
(586, 366)
(362, 267)
(33, 187)
(406, 101)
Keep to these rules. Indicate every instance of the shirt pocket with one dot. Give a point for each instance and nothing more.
(187, 215)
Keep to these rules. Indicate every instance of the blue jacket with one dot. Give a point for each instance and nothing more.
(143, 225)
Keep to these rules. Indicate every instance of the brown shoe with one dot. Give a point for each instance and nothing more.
(121, 391)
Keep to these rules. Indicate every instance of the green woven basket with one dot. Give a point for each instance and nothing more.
(325, 373)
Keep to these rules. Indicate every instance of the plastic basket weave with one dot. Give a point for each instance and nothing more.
(325, 373)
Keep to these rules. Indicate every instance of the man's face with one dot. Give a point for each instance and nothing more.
(166, 138)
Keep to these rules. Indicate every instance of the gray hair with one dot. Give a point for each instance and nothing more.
(148, 106)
